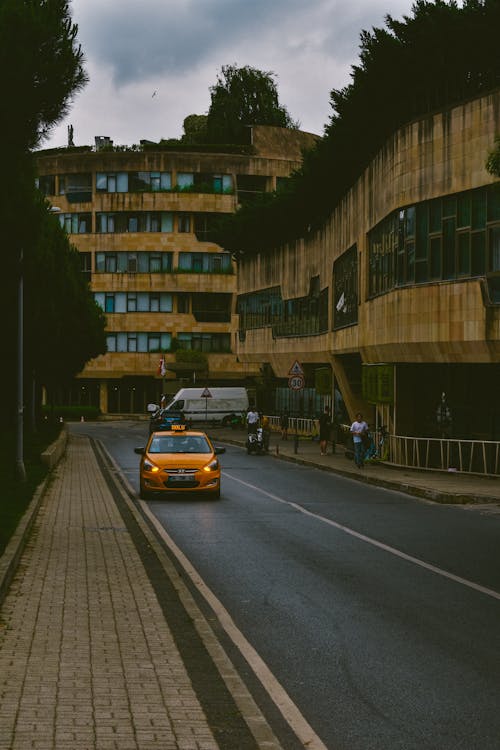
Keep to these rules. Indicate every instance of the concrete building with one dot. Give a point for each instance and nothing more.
(142, 219)
(393, 307)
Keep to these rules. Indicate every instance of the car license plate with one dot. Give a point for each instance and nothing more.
(180, 479)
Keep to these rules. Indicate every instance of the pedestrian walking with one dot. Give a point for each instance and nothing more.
(359, 429)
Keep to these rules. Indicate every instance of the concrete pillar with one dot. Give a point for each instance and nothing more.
(103, 396)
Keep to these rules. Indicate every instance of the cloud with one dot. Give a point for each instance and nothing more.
(177, 48)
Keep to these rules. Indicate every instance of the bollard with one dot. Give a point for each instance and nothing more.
(82, 419)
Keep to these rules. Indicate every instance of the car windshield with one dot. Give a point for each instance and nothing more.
(179, 444)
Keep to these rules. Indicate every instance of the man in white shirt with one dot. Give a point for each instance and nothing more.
(252, 419)
(359, 428)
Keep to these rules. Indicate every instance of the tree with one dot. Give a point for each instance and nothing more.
(436, 58)
(195, 129)
(41, 68)
(242, 97)
(64, 326)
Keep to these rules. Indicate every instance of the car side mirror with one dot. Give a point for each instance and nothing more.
(219, 449)
(139, 451)
(152, 408)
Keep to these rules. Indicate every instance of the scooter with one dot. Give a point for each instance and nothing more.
(255, 442)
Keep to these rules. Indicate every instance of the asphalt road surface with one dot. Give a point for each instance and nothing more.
(378, 613)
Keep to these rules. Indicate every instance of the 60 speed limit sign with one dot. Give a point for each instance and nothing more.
(296, 382)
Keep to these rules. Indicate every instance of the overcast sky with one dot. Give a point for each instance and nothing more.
(152, 62)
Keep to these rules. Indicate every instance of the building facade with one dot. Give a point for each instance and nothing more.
(142, 220)
(393, 307)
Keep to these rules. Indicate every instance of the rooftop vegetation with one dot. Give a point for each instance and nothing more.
(433, 59)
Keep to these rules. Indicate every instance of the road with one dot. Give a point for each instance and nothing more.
(377, 613)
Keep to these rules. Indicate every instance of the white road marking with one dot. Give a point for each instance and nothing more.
(275, 690)
(374, 542)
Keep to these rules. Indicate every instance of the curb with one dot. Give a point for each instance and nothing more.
(11, 556)
(445, 498)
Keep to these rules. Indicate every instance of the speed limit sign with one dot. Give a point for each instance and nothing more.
(296, 382)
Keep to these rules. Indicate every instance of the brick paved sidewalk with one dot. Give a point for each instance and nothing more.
(87, 661)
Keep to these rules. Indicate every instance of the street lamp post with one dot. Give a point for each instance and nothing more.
(20, 469)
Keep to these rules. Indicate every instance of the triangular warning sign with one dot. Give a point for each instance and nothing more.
(296, 369)
(206, 394)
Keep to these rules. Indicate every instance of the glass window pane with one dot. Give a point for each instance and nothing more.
(99, 262)
(111, 342)
(109, 303)
(120, 302)
(132, 342)
(165, 180)
(167, 221)
(121, 262)
(464, 210)
(143, 262)
(111, 183)
(449, 205)
(494, 203)
(154, 303)
(143, 302)
(227, 183)
(99, 298)
(101, 182)
(121, 342)
(166, 261)
(495, 249)
(165, 341)
(166, 302)
(464, 253)
(154, 262)
(435, 216)
(142, 342)
(185, 179)
(435, 257)
(154, 342)
(122, 182)
(185, 261)
(131, 302)
(478, 253)
(478, 209)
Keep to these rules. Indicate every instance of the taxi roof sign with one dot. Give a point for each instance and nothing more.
(178, 427)
(296, 369)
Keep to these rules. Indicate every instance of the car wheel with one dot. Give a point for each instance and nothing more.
(215, 494)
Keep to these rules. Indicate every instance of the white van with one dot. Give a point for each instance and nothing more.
(209, 404)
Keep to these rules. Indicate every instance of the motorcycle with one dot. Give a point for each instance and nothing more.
(255, 442)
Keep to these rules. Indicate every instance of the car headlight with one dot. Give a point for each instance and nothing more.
(148, 466)
(212, 466)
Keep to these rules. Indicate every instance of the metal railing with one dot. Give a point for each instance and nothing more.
(471, 456)
(467, 456)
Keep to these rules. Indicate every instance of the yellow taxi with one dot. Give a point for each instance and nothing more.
(179, 460)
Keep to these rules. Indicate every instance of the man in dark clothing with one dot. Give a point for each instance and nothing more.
(325, 425)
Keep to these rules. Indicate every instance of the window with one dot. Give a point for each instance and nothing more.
(142, 182)
(137, 221)
(185, 180)
(111, 182)
(345, 289)
(76, 223)
(446, 238)
(46, 184)
(183, 303)
(138, 342)
(183, 222)
(76, 187)
(134, 262)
